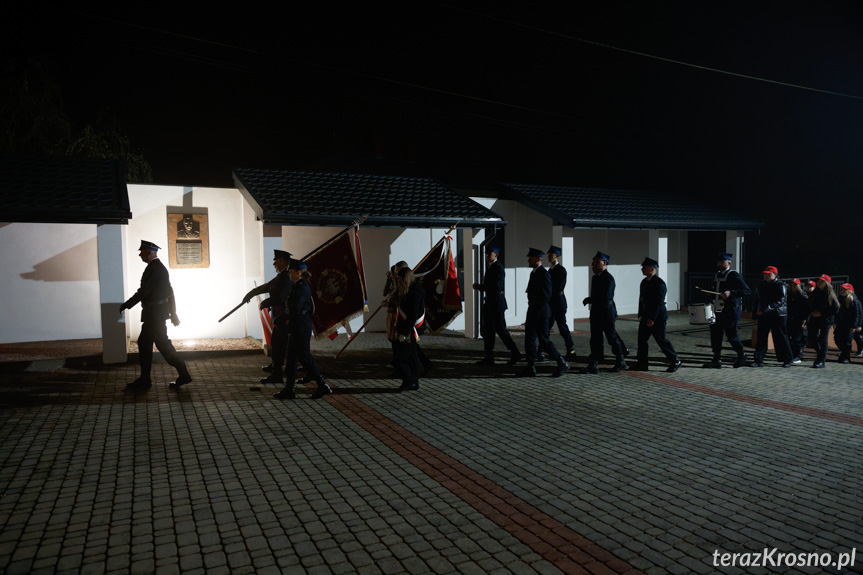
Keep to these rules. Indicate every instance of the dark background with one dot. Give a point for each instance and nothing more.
(501, 91)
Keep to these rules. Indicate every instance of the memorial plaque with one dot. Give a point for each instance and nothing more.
(188, 241)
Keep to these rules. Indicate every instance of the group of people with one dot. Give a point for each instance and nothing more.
(793, 313)
(790, 311)
(547, 306)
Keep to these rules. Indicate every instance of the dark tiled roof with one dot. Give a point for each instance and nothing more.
(54, 189)
(591, 207)
(310, 198)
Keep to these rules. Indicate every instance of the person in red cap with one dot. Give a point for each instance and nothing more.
(798, 314)
(771, 311)
(847, 321)
(823, 307)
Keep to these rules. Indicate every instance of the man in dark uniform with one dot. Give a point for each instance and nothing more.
(493, 308)
(653, 317)
(771, 311)
(728, 307)
(558, 299)
(278, 288)
(603, 315)
(538, 314)
(299, 309)
(157, 305)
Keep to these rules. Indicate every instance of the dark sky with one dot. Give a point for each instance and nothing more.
(503, 91)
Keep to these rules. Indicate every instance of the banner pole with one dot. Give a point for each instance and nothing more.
(359, 331)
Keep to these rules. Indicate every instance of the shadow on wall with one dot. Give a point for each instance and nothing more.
(77, 264)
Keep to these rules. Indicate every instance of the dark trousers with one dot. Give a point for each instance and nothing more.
(493, 322)
(300, 352)
(858, 337)
(558, 317)
(844, 338)
(536, 328)
(796, 338)
(818, 334)
(603, 326)
(156, 332)
(279, 347)
(657, 331)
(725, 325)
(774, 324)
(407, 362)
(422, 358)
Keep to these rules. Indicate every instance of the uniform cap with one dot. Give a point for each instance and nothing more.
(492, 250)
(145, 245)
(601, 256)
(535, 253)
(554, 250)
(298, 265)
(650, 262)
(281, 254)
(721, 256)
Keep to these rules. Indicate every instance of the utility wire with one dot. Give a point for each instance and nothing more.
(643, 54)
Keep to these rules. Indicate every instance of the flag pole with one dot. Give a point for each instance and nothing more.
(353, 224)
(359, 331)
(434, 247)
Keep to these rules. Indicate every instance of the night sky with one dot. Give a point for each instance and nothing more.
(500, 91)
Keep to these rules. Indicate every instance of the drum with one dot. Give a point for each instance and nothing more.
(701, 314)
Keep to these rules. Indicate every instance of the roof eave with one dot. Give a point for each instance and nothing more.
(378, 221)
(654, 225)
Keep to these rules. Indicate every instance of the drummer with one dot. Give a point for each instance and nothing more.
(729, 288)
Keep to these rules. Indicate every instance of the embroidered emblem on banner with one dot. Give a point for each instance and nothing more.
(332, 286)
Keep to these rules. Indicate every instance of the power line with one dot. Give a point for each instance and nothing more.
(643, 54)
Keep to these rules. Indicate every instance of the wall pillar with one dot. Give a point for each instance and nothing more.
(111, 244)
(657, 247)
(734, 246)
(471, 276)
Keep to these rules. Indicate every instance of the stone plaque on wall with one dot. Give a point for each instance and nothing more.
(188, 241)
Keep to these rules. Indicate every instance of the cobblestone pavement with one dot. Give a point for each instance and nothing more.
(477, 472)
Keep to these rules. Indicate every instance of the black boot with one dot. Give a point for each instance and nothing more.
(322, 390)
(620, 365)
(562, 367)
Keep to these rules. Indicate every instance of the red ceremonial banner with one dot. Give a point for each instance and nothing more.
(440, 280)
(337, 286)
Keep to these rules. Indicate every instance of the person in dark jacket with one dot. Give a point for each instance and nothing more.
(157, 305)
(653, 317)
(558, 300)
(411, 297)
(798, 315)
(847, 321)
(392, 321)
(728, 307)
(278, 289)
(538, 314)
(603, 316)
(771, 311)
(823, 307)
(493, 308)
(300, 309)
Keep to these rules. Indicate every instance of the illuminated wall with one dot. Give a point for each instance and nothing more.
(49, 279)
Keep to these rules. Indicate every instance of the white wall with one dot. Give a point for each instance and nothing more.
(49, 279)
(203, 294)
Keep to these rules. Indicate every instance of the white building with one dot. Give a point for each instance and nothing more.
(72, 230)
